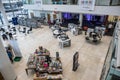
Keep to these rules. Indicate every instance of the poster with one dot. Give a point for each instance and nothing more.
(39, 2)
(75, 61)
(87, 4)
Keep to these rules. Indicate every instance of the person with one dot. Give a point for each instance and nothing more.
(4, 36)
(41, 49)
(8, 27)
(3, 30)
(24, 30)
(36, 51)
(10, 36)
(9, 52)
(29, 30)
(14, 29)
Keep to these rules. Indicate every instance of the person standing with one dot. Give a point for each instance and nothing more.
(10, 36)
(9, 52)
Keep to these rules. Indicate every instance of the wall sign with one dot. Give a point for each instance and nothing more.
(87, 4)
(38, 2)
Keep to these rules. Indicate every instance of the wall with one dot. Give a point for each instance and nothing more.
(6, 67)
(37, 13)
(100, 10)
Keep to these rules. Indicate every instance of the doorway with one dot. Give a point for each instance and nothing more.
(48, 17)
(54, 16)
(32, 14)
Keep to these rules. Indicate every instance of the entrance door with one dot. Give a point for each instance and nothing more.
(54, 16)
(48, 17)
(32, 15)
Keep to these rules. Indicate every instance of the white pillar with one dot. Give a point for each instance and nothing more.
(81, 19)
(2, 10)
(6, 68)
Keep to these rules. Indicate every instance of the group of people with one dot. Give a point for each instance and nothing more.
(24, 30)
(95, 34)
(41, 50)
(8, 34)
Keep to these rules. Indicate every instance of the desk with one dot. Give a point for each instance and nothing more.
(56, 33)
(64, 43)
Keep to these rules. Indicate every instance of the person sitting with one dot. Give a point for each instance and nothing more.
(29, 30)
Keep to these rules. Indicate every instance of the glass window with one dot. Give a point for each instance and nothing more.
(28, 1)
(60, 2)
(107, 2)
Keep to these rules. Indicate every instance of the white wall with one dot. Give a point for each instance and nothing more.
(101, 10)
(37, 13)
(6, 67)
(30, 11)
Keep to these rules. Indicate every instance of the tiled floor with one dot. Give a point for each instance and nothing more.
(91, 56)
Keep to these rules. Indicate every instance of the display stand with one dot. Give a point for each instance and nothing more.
(16, 50)
(45, 67)
(64, 41)
(75, 61)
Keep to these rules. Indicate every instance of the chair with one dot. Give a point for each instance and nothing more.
(29, 30)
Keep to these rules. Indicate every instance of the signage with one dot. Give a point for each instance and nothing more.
(87, 4)
(75, 61)
(38, 2)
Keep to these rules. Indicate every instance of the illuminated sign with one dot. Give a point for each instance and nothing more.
(87, 4)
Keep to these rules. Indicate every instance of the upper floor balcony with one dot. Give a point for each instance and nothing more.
(74, 2)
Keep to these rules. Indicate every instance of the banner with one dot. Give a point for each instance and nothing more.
(75, 61)
(87, 4)
(38, 2)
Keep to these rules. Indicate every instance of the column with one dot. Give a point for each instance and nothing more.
(6, 68)
(81, 19)
(2, 10)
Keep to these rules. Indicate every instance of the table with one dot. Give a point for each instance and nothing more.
(64, 43)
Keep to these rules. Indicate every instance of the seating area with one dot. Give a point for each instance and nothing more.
(28, 22)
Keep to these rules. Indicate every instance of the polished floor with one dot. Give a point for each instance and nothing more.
(91, 56)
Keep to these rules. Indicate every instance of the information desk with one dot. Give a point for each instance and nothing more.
(64, 41)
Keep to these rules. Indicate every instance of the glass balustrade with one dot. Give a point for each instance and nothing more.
(75, 2)
(107, 2)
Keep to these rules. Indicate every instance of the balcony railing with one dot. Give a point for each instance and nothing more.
(74, 2)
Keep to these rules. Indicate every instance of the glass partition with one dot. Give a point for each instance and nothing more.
(107, 2)
(61, 2)
(28, 1)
